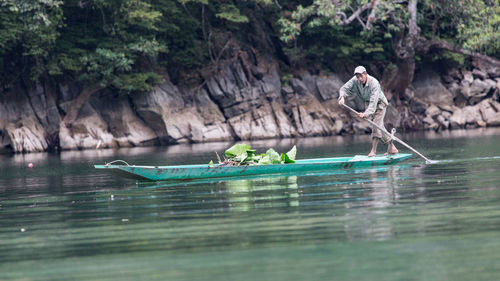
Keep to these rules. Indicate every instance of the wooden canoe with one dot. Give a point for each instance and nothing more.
(189, 172)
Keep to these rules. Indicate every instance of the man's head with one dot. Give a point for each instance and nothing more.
(361, 74)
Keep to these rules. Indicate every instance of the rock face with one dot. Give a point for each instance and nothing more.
(243, 99)
(460, 98)
(233, 104)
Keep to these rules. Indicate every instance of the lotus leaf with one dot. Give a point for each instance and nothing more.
(236, 150)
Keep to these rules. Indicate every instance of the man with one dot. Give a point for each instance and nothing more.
(367, 88)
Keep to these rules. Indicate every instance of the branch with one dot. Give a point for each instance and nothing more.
(277, 4)
(77, 103)
(355, 14)
(439, 44)
(371, 17)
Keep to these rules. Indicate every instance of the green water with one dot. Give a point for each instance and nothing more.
(63, 220)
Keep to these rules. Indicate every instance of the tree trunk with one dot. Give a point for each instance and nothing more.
(77, 103)
(397, 80)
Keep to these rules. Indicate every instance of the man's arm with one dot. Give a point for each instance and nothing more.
(346, 90)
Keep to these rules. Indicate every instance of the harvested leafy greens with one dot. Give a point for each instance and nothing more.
(242, 154)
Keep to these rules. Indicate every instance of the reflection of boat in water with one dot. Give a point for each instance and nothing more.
(189, 172)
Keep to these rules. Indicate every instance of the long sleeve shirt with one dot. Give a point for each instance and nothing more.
(370, 93)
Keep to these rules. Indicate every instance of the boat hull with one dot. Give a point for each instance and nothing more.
(188, 172)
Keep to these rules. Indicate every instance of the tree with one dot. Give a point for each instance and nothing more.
(107, 44)
(401, 22)
(28, 34)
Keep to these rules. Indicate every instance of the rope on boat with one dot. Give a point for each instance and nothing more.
(107, 164)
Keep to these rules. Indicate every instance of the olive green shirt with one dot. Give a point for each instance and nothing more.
(370, 93)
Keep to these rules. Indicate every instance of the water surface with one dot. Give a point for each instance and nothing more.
(63, 220)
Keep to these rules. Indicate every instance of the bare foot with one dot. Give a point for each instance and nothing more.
(392, 150)
(371, 154)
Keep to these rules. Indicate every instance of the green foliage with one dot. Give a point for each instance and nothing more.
(328, 44)
(236, 150)
(125, 44)
(104, 66)
(242, 154)
(142, 82)
(473, 24)
(448, 60)
(28, 33)
(285, 79)
(180, 33)
(230, 13)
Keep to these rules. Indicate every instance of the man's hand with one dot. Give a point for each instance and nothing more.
(341, 101)
(361, 115)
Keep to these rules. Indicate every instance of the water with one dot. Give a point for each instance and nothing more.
(63, 220)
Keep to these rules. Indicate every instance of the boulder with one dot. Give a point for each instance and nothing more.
(20, 129)
(329, 86)
(457, 120)
(468, 78)
(492, 69)
(88, 131)
(432, 111)
(430, 90)
(307, 113)
(490, 112)
(472, 115)
(443, 121)
(417, 106)
(256, 123)
(26, 135)
(479, 74)
(429, 123)
(178, 117)
(123, 123)
(468, 116)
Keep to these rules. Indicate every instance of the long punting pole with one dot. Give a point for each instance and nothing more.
(393, 137)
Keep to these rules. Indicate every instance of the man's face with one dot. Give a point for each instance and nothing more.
(362, 77)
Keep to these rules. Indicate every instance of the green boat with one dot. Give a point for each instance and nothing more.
(190, 172)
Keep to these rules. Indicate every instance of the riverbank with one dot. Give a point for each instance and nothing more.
(244, 100)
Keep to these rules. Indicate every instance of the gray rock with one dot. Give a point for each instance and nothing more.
(417, 106)
(432, 111)
(457, 120)
(493, 69)
(88, 131)
(430, 90)
(328, 87)
(479, 74)
(490, 112)
(124, 124)
(468, 77)
(479, 87)
(446, 115)
(443, 122)
(455, 74)
(20, 128)
(26, 135)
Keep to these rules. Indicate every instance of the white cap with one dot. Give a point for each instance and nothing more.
(360, 69)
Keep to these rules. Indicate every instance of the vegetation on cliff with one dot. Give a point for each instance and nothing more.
(128, 45)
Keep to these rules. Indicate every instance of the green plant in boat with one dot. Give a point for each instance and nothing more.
(243, 154)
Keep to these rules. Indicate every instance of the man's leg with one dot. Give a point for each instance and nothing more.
(378, 118)
(373, 152)
(391, 149)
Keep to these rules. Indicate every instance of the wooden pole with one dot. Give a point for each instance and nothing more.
(391, 135)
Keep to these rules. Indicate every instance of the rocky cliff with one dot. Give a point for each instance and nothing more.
(246, 97)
